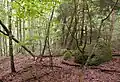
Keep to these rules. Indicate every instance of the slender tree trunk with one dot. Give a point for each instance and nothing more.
(17, 25)
(69, 29)
(20, 33)
(10, 41)
(6, 47)
(1, 53)
(40, 41)
(40, 45)
(32, 31)
(83, 18)
(102, 21)
(23, 33)
(11, 49)
(112, 26)
(5, 44)
(85, 41)
(74, 37)
(90, 20)
(63, 32)
(47, 39)
(75, 26)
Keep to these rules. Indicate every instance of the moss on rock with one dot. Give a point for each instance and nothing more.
(79, 58)
(67, 55)
(101, 54)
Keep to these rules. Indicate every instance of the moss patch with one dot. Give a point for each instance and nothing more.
(67, 55)
(79, 58)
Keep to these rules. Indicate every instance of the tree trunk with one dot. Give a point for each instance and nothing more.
(10, 42)
(20, 33)
(23, 51)
(83, 18)
(90, 20)
(1, 53)
(32, 32)
(17, 31)
(63, 32)
(69, 29)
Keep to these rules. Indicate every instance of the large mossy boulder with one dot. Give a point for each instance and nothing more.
(102, 53)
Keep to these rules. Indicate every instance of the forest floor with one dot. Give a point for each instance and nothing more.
(30, 71)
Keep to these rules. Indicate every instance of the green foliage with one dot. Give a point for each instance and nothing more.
(37, 12)
(67, 55)
(3, 12)
(33, 8)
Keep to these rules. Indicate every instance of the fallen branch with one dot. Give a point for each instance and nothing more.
(43, 65)
(70, 64)
(45, 56)
(105, 70)
(118, 55)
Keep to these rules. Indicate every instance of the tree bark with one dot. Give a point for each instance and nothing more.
(83, 18)
(75, 25)
(90, 20)
(10, 42)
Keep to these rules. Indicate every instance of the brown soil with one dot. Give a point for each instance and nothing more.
(31, 71)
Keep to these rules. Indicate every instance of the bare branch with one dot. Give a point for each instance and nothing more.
(102, 21)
